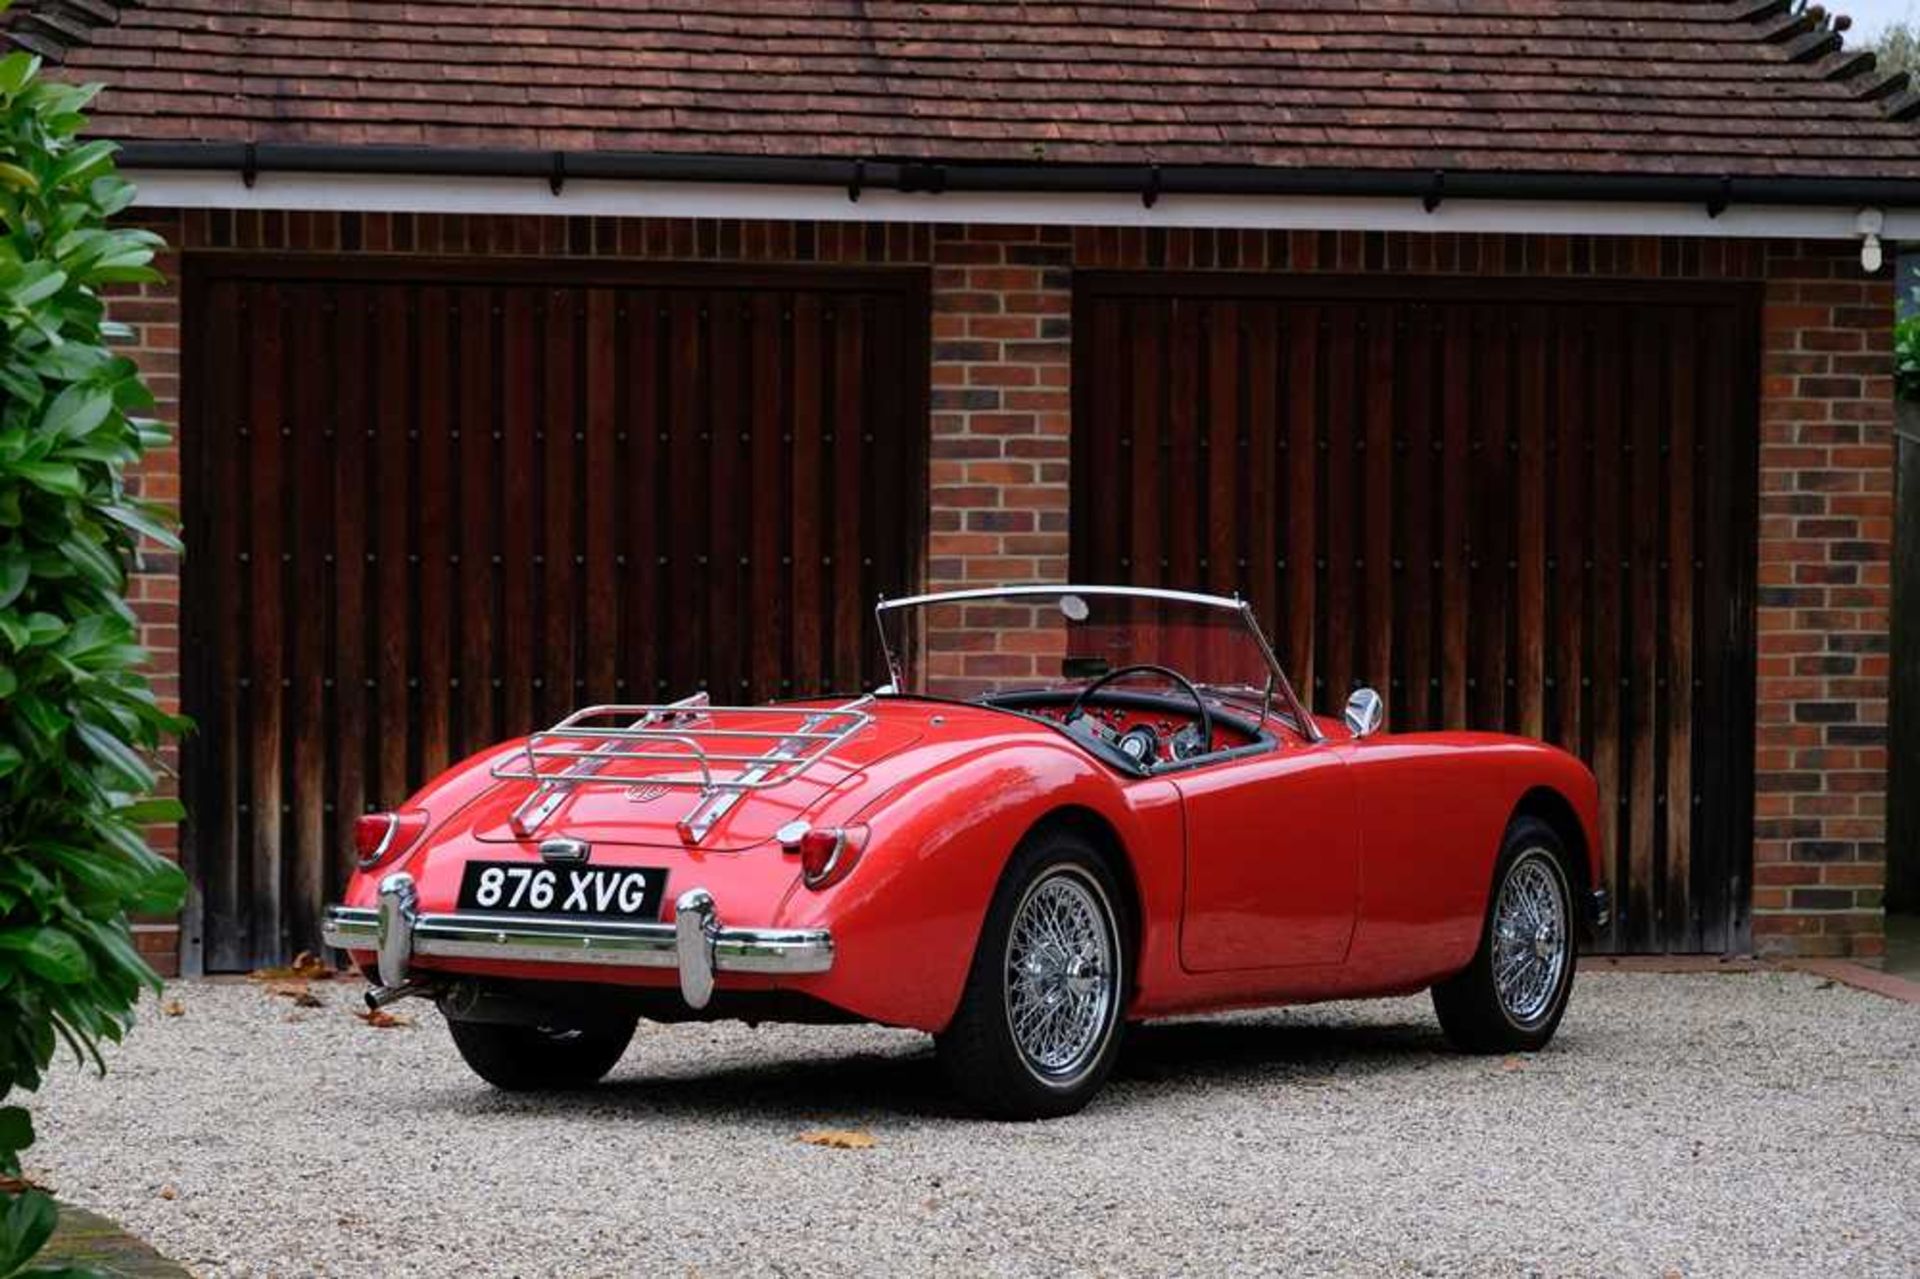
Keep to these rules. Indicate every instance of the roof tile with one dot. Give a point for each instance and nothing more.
(1704, 87)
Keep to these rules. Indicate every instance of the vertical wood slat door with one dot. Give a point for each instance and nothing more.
(1527, 508)
(435, 505)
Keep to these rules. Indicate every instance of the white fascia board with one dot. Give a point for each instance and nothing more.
(373, 193)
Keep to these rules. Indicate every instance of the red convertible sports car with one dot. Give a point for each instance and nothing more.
(1071, 808)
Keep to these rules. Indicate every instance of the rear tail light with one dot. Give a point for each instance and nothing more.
(827, 854)
(379, 837)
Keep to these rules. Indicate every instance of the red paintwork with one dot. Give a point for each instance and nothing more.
(1316, 870)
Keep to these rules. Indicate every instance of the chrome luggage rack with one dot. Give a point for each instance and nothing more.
(691, 733)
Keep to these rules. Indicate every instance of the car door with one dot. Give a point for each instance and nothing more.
(1273, 859)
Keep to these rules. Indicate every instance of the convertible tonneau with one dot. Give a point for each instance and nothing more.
(721, 752)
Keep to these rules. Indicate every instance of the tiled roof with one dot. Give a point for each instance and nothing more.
(1634, 87)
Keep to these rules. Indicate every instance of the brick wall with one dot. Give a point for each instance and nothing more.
(999, 453)
(1001, 300)
(1826, 534)
(153, 313)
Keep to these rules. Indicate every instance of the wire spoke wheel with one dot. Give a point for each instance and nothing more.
(1531, 940)
(1062, 975)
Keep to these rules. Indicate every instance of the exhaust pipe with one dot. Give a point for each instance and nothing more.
(380, 996)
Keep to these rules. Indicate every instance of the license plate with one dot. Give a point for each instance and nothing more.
(622, 892)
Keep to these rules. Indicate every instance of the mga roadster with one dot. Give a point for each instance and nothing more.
(1071, 808)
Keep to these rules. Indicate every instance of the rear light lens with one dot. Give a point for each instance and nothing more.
(829, 853)
(380, 837)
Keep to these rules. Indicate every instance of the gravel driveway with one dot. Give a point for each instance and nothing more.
(1764, 1123)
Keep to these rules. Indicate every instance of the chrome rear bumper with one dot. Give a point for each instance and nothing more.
(695, 943)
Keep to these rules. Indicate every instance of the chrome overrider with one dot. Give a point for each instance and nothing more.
(696, 943)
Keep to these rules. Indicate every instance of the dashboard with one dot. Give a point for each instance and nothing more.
(1148, 735)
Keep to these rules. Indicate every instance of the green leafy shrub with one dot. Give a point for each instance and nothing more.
(78, 723)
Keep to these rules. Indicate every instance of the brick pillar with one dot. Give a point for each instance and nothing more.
(998, 503)
(1826, 531)
(152, 313)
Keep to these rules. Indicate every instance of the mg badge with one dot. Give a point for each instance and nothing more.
(566, 852)
(648, 791)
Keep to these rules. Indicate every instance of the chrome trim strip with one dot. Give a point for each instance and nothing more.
(609, 943)
(1049, 588)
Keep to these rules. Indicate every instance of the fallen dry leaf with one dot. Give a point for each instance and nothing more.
(173, 1008)
(312, 967)
(168, 1192)
(838, 1139)
(306, 966)
(381, 1019)
(296, 991)
(1513, 1063)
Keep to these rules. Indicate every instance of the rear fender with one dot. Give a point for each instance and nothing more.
(907, 920)
(442, 799)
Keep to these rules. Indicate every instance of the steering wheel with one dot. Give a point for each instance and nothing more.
(1078, 706)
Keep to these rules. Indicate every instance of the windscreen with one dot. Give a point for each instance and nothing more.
(979, 646)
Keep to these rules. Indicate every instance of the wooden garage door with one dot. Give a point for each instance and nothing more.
(432, 505)
(1517, 507)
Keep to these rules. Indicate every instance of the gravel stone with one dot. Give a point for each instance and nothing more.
(1754, 1124)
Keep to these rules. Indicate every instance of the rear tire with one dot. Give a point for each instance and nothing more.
(1040, 1020)
(1513, 994)
(540, 1058)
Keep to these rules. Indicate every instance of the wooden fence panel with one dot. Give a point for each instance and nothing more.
(433, 505)
(1518, 506)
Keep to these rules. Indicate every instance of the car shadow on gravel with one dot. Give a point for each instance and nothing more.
(1244, 1051)
(1270, 1047)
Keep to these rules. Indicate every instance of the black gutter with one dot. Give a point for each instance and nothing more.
(1149, 181)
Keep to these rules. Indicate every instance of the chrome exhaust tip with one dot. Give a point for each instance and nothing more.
(380, 996)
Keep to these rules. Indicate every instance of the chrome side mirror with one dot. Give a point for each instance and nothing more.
(1365, 712)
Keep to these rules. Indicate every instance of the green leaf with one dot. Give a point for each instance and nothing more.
(37, 283)
(44, 718)
(94, 563)
(164, 893)
(76, 411)
(44, 628)
(54, 477)
(144, 522)
(121, 759)
(15, 569)
(21, 384)
(16, 69)
(154, 812)
(48, 952)
(85, 163)
(24, 1227)
(16, 1128)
